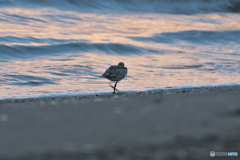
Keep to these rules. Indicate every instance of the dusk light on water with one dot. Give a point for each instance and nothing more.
(58, 47)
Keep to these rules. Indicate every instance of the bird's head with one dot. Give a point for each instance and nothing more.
(121, 64)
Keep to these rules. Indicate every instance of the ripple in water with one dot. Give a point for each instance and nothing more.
(66, 47)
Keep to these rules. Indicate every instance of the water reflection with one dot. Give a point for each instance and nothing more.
(52, 51)
(81, 75)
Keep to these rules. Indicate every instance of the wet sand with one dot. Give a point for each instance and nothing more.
(180, 124)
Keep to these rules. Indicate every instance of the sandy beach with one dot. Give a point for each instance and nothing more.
(183, 124)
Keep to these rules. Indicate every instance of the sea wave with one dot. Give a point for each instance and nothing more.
(156, 6)
(23, 51)
(28, 40)
(194, 36)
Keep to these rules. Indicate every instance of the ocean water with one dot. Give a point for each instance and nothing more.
(62, 47)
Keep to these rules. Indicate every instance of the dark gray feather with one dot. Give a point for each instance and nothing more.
(115, 73)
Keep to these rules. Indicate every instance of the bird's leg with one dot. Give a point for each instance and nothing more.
(114, 88)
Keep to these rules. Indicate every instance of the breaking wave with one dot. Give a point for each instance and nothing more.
(23, 51)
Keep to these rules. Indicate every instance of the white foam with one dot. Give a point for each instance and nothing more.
(56, 95)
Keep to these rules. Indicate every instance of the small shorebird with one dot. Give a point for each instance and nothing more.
(116, 74)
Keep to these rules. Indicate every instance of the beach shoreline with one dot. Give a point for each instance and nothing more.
(177, 90)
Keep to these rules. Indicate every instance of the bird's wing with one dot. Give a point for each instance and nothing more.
(116, 71)
(109, 71)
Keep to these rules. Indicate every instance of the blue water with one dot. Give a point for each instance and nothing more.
(62, 47)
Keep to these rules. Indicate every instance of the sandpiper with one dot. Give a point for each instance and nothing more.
(116, 74)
